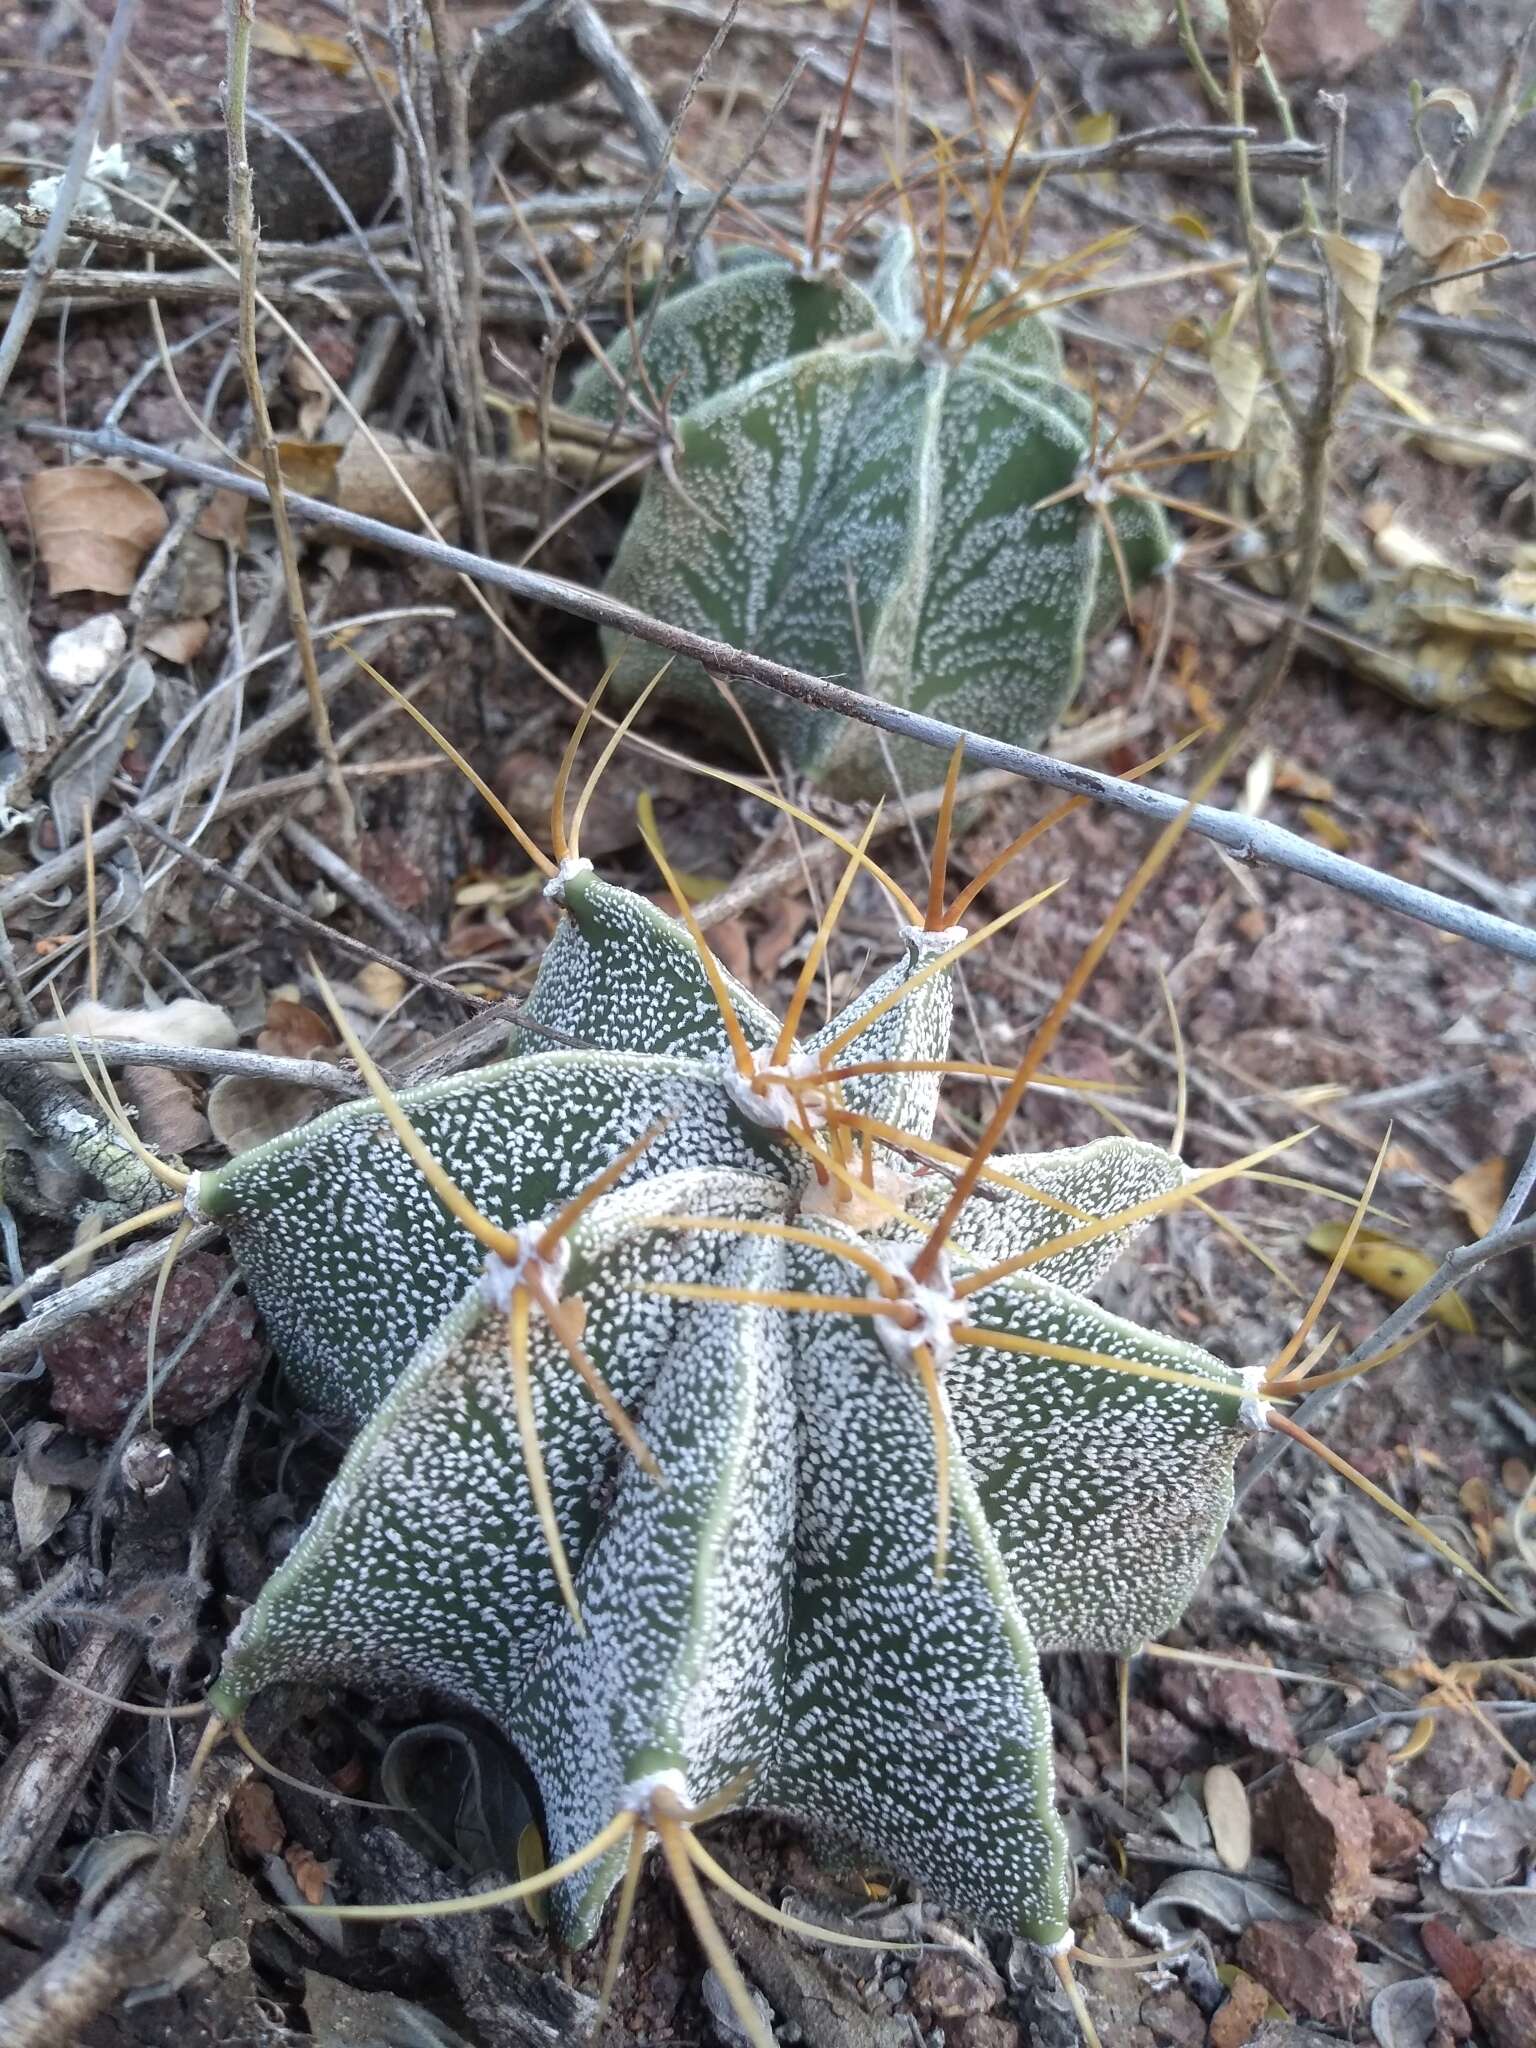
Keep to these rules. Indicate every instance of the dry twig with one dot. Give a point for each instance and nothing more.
(1246, 838)
(242, 218)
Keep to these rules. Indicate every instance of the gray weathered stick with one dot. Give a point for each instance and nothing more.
(187, 1059)
(1248, 839)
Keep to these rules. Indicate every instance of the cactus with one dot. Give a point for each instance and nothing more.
(708, 1449)
(726, 1439)
(901, 498)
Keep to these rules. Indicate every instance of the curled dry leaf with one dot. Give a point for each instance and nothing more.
(364, 484)
(93, 527)
(312, 392)
(38, 1502)
(1432, 217)
(1395, 1270)
(1479, 1193)
(1249, 20)
(1460, 103)
(178, 640)
(1356, 271)
(1460, 294)
(245, 1110)
(1449, 232)
(1238, 372)
(310, 1875)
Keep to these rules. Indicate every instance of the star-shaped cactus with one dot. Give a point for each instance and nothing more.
(876, 485)
(726, 1438)
(714, 1449)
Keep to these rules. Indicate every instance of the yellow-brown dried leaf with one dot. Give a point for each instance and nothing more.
(92, 527)
(1395, 1270)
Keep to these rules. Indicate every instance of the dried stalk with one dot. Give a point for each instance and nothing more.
(242, 218)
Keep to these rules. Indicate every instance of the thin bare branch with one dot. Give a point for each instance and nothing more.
(1245, 838)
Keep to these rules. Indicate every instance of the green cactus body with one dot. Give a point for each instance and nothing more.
(770, 1605)
(864, 503)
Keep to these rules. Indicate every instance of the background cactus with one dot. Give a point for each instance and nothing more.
(889, 1447)
(869, 488)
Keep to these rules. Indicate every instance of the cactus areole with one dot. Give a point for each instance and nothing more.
(854, 495)
(868, 1478)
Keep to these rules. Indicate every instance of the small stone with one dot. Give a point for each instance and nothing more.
(229, 1957)
(1160, 1740)
(1322, 1828)
(1462, 1757)
(954, 1983)
(985, 2030)
(1505, 2001)
(81, 655)
(1245, 1704)
(1237, 2020)
(1458, 1962)
(97, 1366)
(1114, 1991)
(1173, 2017)
(1310, 1969)
(1452, 2020)
(1397, 1836)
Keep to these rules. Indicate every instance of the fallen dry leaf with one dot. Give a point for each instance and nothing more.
(305, 47)
(92, 527)
(790, 918)
(178, 640)
(1226, 1807)
(168, 1115)
(310, 467)
(224, 518)
(295, 1031)
(325, 51)
(728, 941)
(257, 1823)
(381, 987)
(1393, 1269)
(1479, 1193)
(311, 390)
(245, 1110)
(1325, 827)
